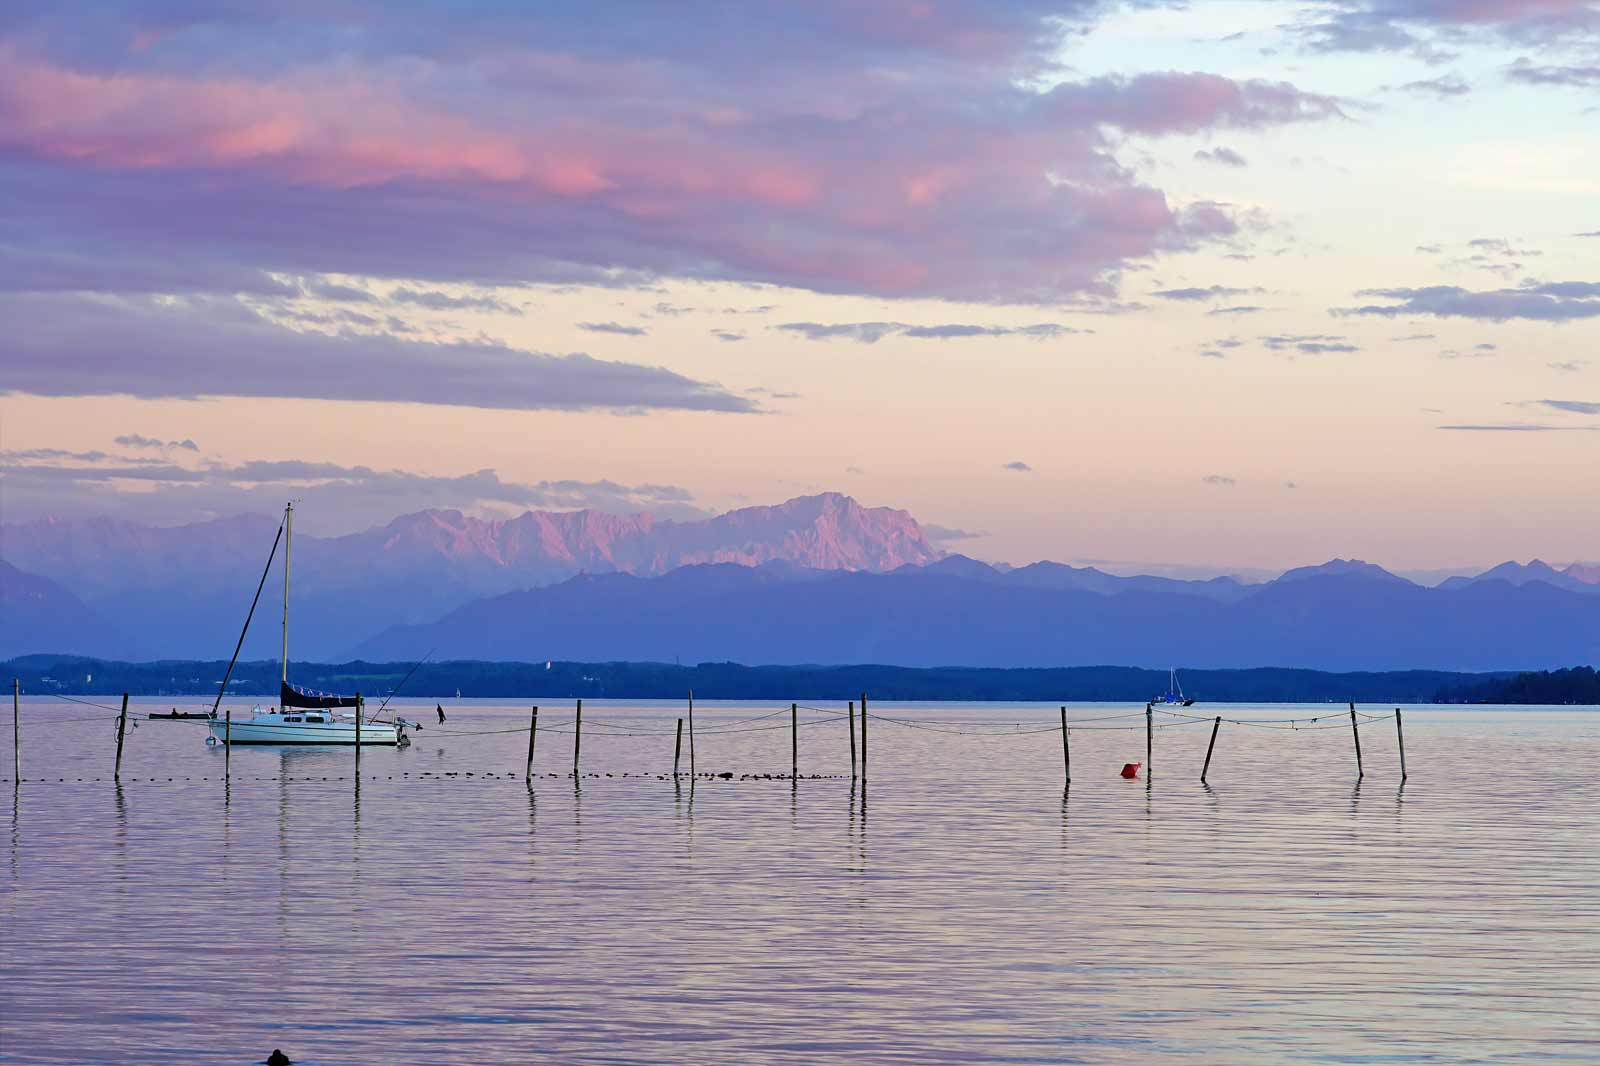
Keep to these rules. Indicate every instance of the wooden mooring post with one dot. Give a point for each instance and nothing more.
(227, 743)
(1066, 752)
(359, 716)
(577, 739)
(1401, 737)
(794, 742)
(1149, 742)
(1210, 747)
(16, 732)
(863, 734)
(677, 750)
(852, 740)
(122, 728)
(691, 734)
(533, 736)
(1356, 734)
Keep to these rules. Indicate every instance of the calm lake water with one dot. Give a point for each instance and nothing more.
(964, 908)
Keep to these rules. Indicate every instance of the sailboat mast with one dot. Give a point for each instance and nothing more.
(288, 536)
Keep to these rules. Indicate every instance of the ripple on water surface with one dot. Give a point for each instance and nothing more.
(965, 908)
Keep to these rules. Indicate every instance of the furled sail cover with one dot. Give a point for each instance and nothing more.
(292, 696)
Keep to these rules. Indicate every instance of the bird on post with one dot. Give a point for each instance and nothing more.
(278, 1058)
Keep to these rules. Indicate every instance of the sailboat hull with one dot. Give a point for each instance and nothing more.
(280, 732)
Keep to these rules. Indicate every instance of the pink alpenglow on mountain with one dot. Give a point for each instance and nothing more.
(826, 532)
(830, 531)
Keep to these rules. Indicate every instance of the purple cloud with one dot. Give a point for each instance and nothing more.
(613, 327)
(1562, 301)
(1530, 73)
(1576, 407)
(433, 300)
(138, 440)
(873, 332)
(337, 292)
(1220, 480)
(949, 533)
(1309, 343)
(861, 332)
(837, 147)
(59, 345)
(1519, 427)
(94, 484)
(1239, 309)
(1225, 156)
(1417, 25)
(1211, 292)
(950, 331)
(1501, 247)
(1019, 466)
(1444, 88)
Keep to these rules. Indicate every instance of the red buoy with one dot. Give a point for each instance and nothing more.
(1130, 770)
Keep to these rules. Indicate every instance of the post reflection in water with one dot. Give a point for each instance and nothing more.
(15, 850)
(990, 927)
(533, 832)
(120, 836)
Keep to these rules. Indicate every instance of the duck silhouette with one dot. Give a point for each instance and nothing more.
(278, 1058)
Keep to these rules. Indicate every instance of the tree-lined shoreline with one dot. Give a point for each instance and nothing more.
(63, 674)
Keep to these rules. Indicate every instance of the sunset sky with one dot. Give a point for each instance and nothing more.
(1222, 285)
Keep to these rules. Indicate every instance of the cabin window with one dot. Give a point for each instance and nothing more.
(294, 719)
(315, 718)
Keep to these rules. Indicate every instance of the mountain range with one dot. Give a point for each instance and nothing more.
(818, 579)
(184, 590)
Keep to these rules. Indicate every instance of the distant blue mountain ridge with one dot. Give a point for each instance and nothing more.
(952, 613)
(818, 579)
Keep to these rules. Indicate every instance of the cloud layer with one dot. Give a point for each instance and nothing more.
(63, 345)
(841, 147)
(1561, 301)
(82, 484)
(873, 332)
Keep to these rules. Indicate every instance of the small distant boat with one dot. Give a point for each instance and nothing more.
(1174, 696)
(304, 717)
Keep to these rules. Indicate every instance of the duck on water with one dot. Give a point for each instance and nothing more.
(302, 717)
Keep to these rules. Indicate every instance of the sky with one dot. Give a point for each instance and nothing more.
(1217, 286)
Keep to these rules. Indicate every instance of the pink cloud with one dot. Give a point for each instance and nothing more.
(991, 193)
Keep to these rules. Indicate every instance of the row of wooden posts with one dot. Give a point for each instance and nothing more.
(677, 750)
(677, 747)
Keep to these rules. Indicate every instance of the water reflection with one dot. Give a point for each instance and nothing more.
(16, 818)
(639, 927)
(1066, 793)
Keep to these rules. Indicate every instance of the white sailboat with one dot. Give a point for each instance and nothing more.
(303, 717)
